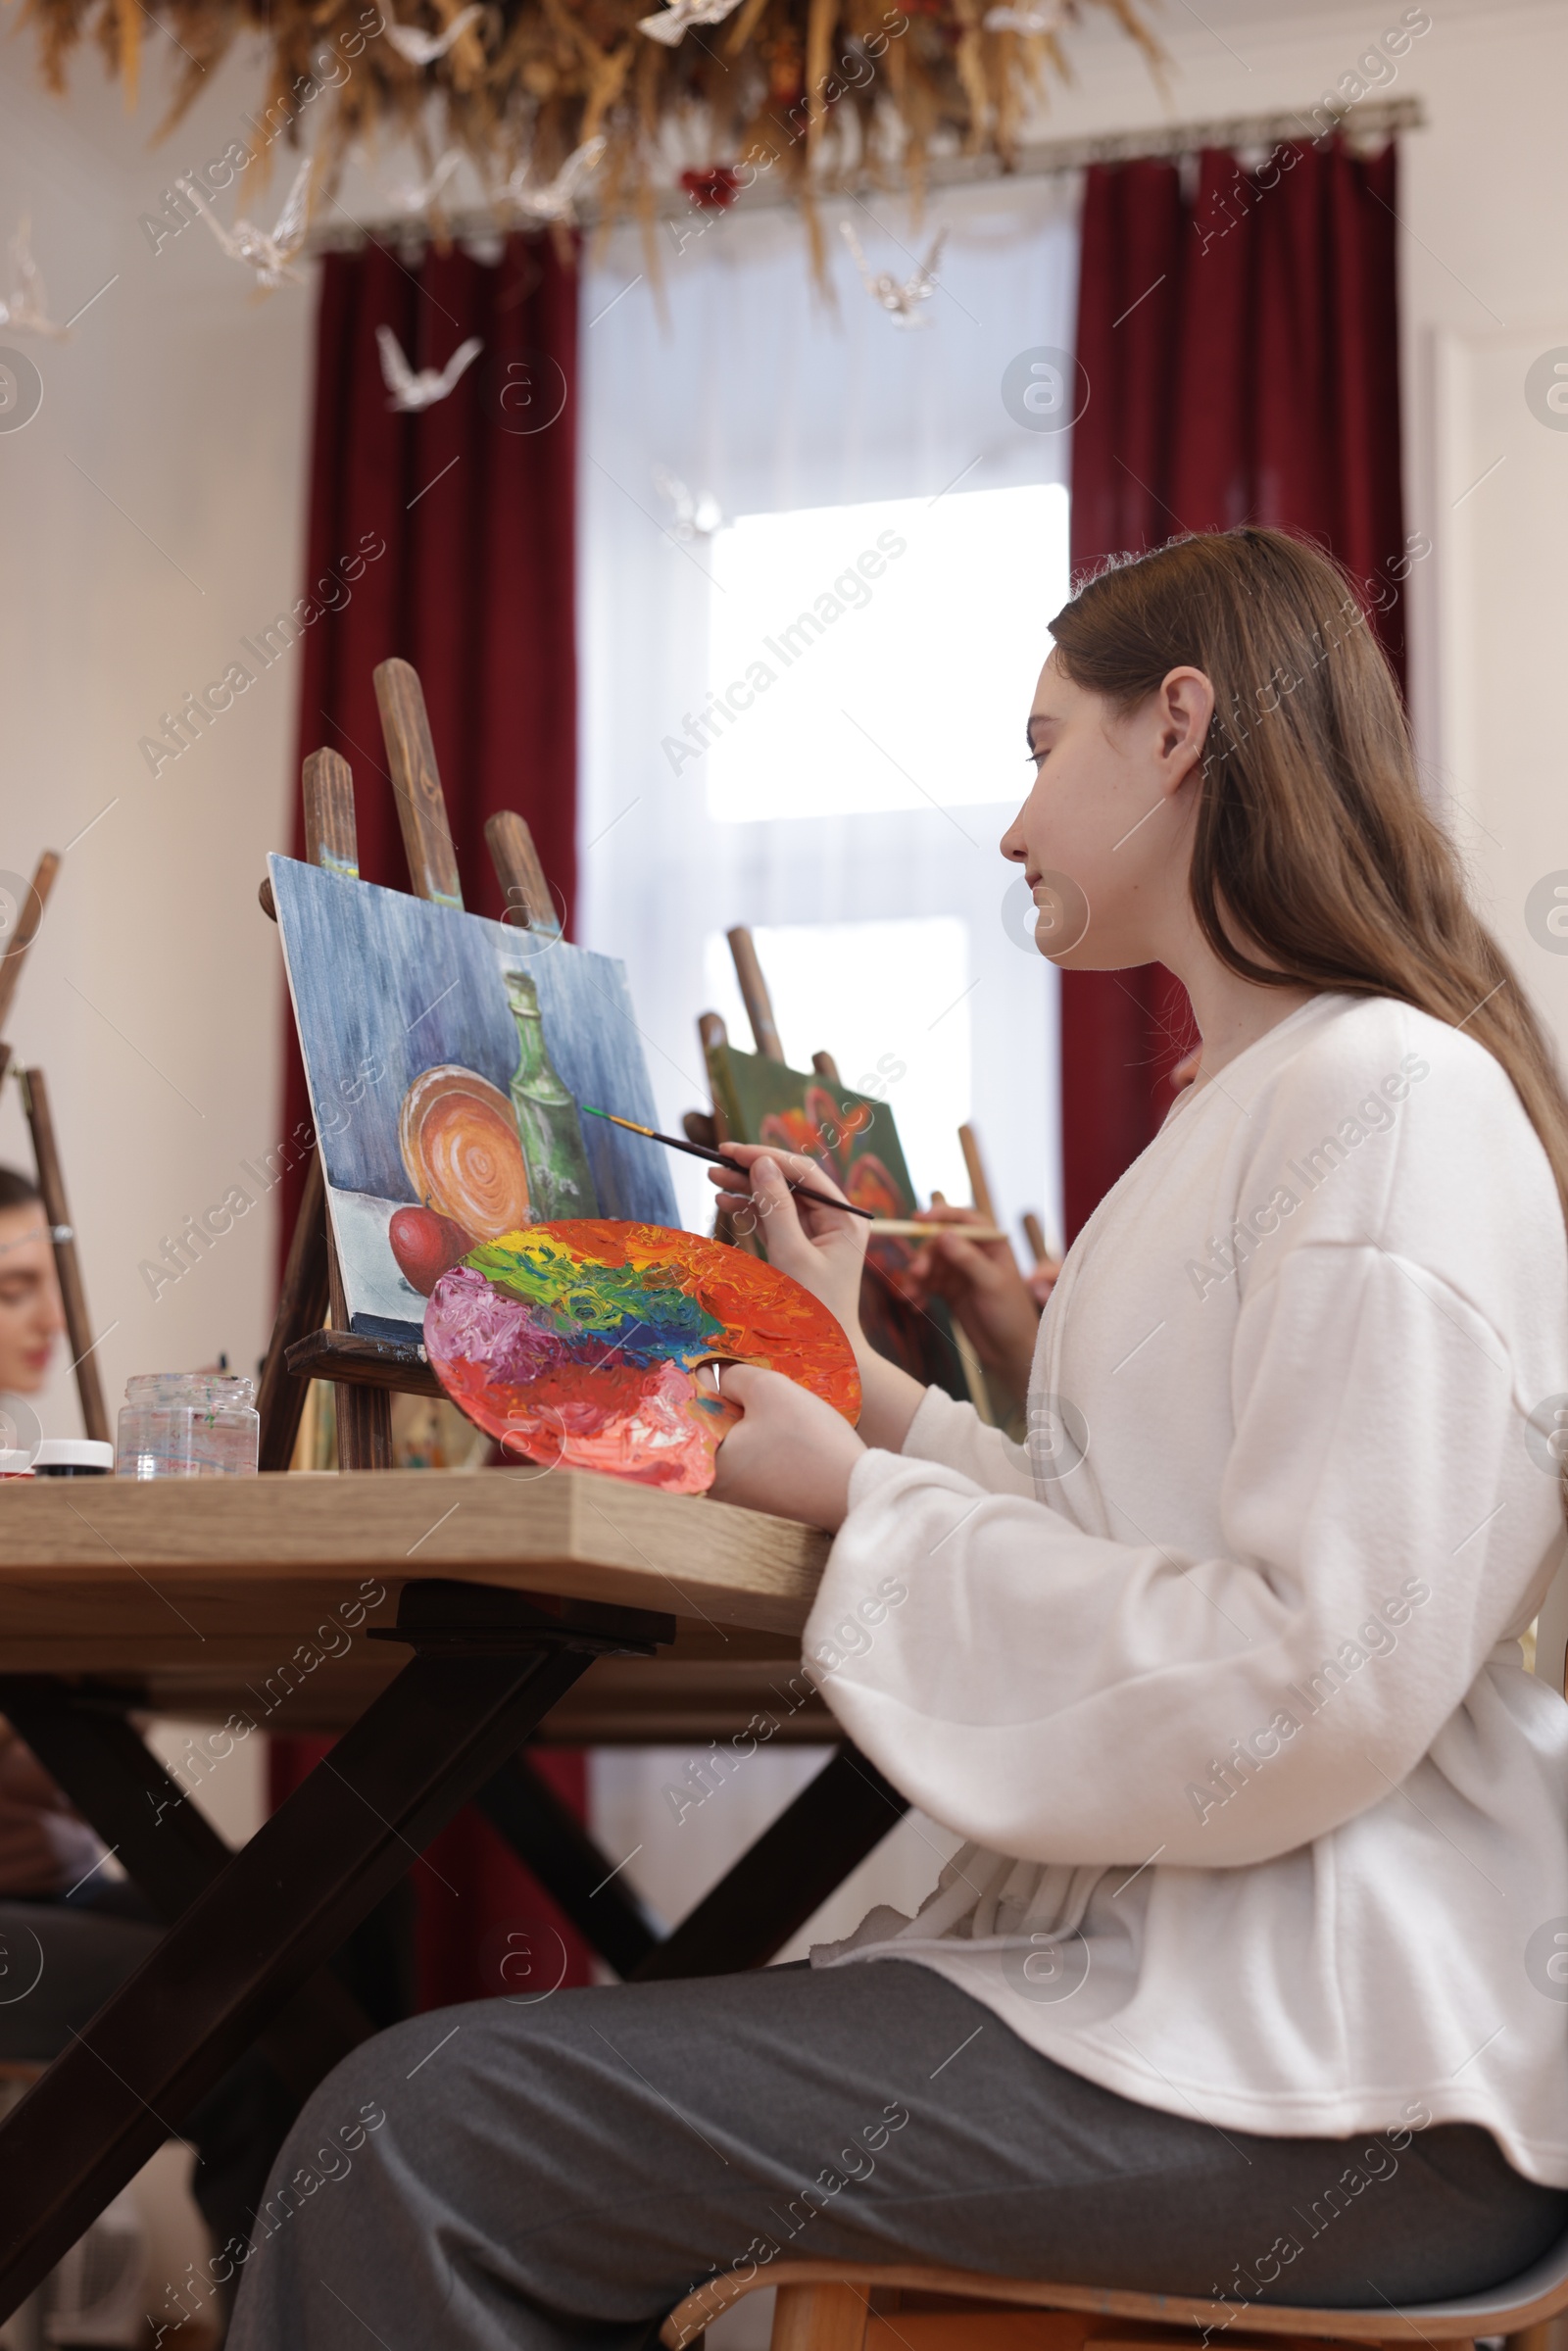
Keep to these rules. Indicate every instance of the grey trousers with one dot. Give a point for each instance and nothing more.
(534, 2177)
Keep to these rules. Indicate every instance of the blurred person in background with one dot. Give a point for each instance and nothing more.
(45, 1849)
(31, 1316)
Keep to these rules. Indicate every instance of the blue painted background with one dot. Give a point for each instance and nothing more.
(379, 976)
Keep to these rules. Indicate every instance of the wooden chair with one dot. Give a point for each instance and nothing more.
(855, 2306)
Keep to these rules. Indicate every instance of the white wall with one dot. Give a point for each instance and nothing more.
(151, 515)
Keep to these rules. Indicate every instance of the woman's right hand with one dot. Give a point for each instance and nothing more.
(822, 1249)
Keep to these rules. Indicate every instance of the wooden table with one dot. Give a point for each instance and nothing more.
(565, 1605)
(196, 1594)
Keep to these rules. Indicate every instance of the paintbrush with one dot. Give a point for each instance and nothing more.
(698, 1150)
(921, 1228)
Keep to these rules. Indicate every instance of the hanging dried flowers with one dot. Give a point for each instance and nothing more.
(813, 91)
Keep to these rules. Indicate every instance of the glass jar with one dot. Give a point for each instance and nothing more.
(189, 1423)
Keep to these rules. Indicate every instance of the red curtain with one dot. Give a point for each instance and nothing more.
(448, 537)
(474, 502)
(1240, 334)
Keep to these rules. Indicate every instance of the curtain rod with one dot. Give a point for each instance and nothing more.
(1367, 125)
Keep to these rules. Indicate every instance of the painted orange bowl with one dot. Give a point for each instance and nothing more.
(461, 1151)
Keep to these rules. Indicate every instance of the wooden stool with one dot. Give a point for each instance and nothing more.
(849, 2306)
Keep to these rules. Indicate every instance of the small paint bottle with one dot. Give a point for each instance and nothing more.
(73, 1457)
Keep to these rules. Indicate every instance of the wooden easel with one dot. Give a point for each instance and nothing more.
(993, 1402)
(759, 1002)
(367, 1372)
(46, 1157)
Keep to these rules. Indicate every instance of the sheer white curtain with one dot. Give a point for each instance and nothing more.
(754, 391)
(882, 928)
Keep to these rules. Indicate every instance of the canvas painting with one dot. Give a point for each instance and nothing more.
(856, 1141)
(447, 1056)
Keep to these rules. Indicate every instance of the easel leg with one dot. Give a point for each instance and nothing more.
(794, 1865)
(363, 1427)
(364, 1415)
(73, 1297)
(301, 1309)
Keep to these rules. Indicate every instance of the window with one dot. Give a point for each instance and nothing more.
(890, 1001)
(868, 658)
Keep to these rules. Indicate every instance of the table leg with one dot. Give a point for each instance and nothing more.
(774, 1888)
(748, 1916)
(116, 1781)
(549, 1839)
(245, 1944)
(169, 1849)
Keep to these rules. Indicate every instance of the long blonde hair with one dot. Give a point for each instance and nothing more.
(1312, 837)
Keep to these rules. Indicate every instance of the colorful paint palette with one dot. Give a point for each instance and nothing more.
(578, 1344)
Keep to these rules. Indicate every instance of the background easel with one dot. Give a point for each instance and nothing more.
(366, 1373)
(991, 1399)
(46, 1158)
(759, 1002)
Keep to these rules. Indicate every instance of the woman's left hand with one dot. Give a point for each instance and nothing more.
(791, 1454)
(997, 1305)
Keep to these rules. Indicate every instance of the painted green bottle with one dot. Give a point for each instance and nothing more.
(560, 1180)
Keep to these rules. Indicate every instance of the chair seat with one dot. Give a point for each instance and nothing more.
(1526, 2302)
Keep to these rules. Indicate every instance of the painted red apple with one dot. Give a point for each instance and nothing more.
(426, 1246)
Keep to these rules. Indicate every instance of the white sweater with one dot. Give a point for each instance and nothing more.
(1221, 1678)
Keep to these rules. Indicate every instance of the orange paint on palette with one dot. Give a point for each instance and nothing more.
(578, 1343)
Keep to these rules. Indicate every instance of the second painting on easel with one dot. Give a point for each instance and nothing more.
(446, 1057)
(855, 1140)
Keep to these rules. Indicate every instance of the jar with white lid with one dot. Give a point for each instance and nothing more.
(189, 1423)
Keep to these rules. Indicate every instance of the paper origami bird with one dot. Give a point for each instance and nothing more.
(1022, 20)
(26, 310)
(669, 25)
(269, 256)
(557, 199)
(415, 389)
(417, 200)
(899, 301)
(695, 517)
(422, 48)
